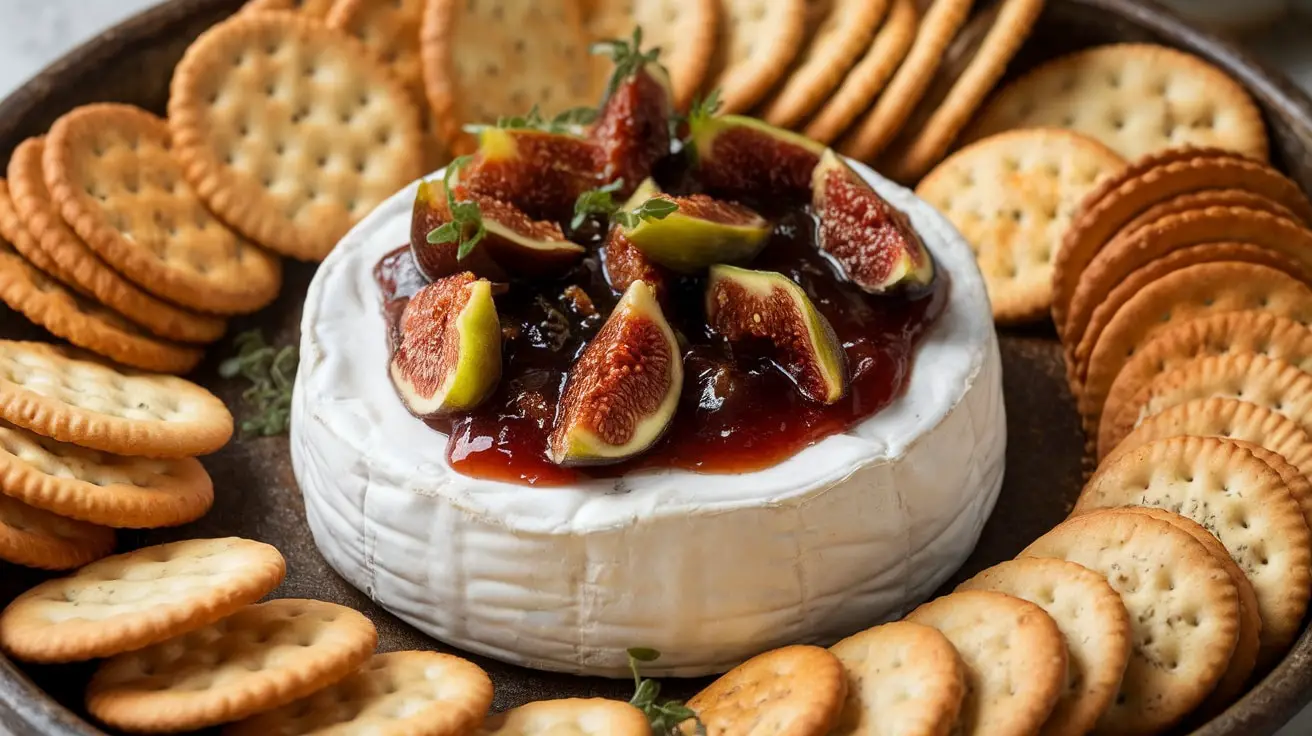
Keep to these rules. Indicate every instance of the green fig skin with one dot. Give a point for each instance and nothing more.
(701, 232)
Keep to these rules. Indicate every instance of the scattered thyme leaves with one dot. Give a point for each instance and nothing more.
(656, 208)
(570, 121)
(627, 56)
(466, 227)
(664, 717)
(599, 201)
(271, 372)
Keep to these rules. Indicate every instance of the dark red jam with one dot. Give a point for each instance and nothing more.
(737, 413)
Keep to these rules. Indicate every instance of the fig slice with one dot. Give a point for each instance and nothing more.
(633, 128)
(870, 239)
(540, 172)
(740, 156)
(440, 259)
(522, 245)
(448, 356)
(763, 307)
(623, 264)
(699, 232)
(622, 392)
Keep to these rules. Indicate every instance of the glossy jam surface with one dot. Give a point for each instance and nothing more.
(738, 412)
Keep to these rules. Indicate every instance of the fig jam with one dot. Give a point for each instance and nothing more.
(737, 412)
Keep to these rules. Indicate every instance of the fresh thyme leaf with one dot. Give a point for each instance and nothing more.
(271, 372)
(706, 107)
(656, 208)
(573, 118)
(627, 56)
(568, 121)
(666, 717)
(599, 201)
(466, 227)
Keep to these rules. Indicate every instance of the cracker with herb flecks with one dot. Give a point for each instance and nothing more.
(36, 538)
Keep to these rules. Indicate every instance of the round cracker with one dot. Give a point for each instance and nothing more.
(1300, 487)
(1204, 199)
(865, 80)
(317, 9)
(1256, 379)
(903, 679)
(842, 37)
(261, 657)
(1136, 98)
(972, 65)
(66, 396)
(1231, 332)
(685, 32)
(1163, 287)
(1184, 612)
(1093, 621)
(758, 40)
(44, 238)
(480, 65)
(1012, 197)
(868, 138)
(138, 598)
(1014, 657)
(96, 487)
(1237, 497)
(547, 717)
(36, 538)
(290, 131)
(1124, 255)
(112, 174)
(1244, 660)
(799, 688)
(66, 314)
(1149, 181)
(395, 694)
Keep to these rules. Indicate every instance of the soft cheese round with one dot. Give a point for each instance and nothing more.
(708, 569)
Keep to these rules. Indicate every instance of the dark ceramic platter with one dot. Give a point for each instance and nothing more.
(257, 495)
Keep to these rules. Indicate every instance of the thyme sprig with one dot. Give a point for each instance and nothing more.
(271, 372)
(664, 717)
(627, 56)
(466, 227)
(570, 121)
(599, 201)
(656, 208)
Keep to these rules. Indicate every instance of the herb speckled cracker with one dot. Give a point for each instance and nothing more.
(259, 658)
(1237, 497)
(1012, 197)
(111, 173)
(568, 715)
(1184, 612)
(73, 262)
(1093, 622)
(66, 314)
(1014, 656)
(904, 679)
(865, 80)
(111, 490)
(480, 65)
(395, 694)
(291, 132)
(135, 599)
(60, 394)
(758, 40)
(1136, 98)
(685, 31)
(35, 538)
(310, 8)
(842, 37)
(800, 689)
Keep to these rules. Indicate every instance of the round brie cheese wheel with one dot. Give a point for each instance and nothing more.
(707, 569)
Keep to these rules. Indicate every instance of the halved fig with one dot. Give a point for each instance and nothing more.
(633, 128)
(869, 238)
(624, 264)
(541, 173)
(448, 358)
(700, 232)
(437, 260)
(522, 245)
(623, 391)
(764, 307)
(741, 156)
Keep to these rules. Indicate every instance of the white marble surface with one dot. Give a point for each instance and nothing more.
(34, 33)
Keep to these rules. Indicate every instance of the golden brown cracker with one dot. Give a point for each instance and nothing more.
(685, 32)
(42, 231)
(1093, 621)
(1014, 656)
(290, 131)
(100, 488)
(261, 657)
(758, 40)
(844, 34)
(568, 715)
(138, 598)
(36, 538)
(1184, 612)
(903, 679)
(1205, 199)
(877, 128)
(865, 80)
(800, 688)
(1136, 98)
(1012, 197)
(67, 396)
(317, 9)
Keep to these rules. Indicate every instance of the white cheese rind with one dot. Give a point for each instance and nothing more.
(708, 569)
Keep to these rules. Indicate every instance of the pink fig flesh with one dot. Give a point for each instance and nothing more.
(541, 173)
